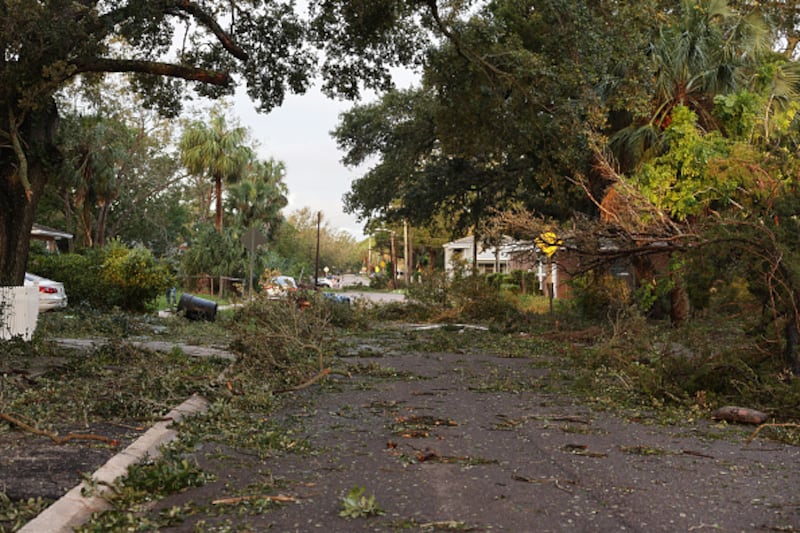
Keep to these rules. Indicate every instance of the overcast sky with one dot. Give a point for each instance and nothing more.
(297, 133)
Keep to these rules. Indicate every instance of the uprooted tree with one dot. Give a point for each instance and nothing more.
(166, 47)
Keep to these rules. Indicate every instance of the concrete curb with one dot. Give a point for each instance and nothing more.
(73, 509)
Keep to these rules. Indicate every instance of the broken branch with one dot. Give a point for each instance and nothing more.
(280, 498)
(305, 384)
(55, 438)
(762, 426)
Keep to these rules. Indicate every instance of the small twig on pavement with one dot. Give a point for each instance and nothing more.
(555, 481)
(762, 426)
(280, 498)
(55, 438)
(305, 384)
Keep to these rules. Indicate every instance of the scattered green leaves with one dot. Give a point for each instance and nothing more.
(15, 514)
(356, 505)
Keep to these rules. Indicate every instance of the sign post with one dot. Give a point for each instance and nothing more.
(251, 240)
(549, 243)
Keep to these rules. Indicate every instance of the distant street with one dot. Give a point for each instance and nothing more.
(351, 282)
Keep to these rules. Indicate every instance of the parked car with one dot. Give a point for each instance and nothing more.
(280, 286)
(51, 293)
(325, 282)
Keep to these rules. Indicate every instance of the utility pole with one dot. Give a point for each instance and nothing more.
(410, 265)
(394, 263)
(316, 261)
(406, 275)
(369, 254)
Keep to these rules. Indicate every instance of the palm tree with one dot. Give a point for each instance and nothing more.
(96, 149)
(708, 50)
(217, 151)
(260, 195)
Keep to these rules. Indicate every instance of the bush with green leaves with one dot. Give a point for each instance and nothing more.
(280, 341)
(465, 297)
(599, 295)
(114, 276)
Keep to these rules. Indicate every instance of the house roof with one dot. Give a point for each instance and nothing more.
(506, 244)
(44, 232)
(486, 252)
(463, 242)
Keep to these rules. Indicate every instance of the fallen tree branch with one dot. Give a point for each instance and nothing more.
(762, 426)
(555, 481)
(305, 384)
(742, 415)
(56, 438)
(280, 498)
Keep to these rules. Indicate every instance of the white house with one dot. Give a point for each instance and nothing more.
(459, 254)
(511, 255)
(49, 236)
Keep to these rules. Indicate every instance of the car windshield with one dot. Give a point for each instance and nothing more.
(285, 282)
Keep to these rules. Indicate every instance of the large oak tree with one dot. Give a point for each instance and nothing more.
(504, 114)
(167, 47)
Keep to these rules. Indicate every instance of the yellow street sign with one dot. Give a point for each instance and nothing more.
(548, 243)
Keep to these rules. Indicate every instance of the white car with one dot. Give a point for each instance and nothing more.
(280, 286)
(325, 282)
(51, 293)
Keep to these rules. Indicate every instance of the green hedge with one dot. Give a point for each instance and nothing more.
(114, 276)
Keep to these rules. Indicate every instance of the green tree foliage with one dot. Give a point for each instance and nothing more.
(504, 114)
(212, 253)
(723, 176)
(114, 276)
(257, 199)
(296, 247)
(216, 151)
(783, 16)
(269, 47)
(114, 170)
(705, 49)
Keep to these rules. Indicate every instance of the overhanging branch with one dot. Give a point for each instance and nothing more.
(173, 7)
(151, 67)
(211, 24)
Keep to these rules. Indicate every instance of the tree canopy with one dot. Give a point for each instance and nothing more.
(166, 47)
(505, 114)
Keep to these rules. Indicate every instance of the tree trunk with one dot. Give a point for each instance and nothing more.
(68, 217)
(16, 211)
(86, 223)
(100, 225)
(218, 190)
(679, 304)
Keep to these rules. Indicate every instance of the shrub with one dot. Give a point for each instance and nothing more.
(431, 290)
(114, 276)
(477, 299)
(528, 282)
(600, 295)
(470, 297)
(80, 274)
(133, 276)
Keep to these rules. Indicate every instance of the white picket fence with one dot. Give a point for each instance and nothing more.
(19, 311)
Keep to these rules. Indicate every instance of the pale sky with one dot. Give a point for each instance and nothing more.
(297, 133)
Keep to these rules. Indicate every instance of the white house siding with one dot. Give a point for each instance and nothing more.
(460, 252)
